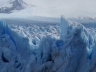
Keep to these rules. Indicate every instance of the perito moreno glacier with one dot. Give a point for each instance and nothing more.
(64, 47)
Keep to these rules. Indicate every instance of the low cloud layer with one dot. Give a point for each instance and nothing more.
(68, 8)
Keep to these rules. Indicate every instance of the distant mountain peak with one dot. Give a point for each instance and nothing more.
(12, 5)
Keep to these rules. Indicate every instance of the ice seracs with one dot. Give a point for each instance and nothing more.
(73, 51)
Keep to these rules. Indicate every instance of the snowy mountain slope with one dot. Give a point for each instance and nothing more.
(11, 5)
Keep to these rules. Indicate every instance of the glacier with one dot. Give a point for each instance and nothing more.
(63, 47)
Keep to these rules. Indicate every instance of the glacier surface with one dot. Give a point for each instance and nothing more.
(40, 47)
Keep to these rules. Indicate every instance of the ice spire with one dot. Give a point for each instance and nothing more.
(64, 25)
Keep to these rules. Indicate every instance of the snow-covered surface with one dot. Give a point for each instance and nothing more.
(38, 46)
